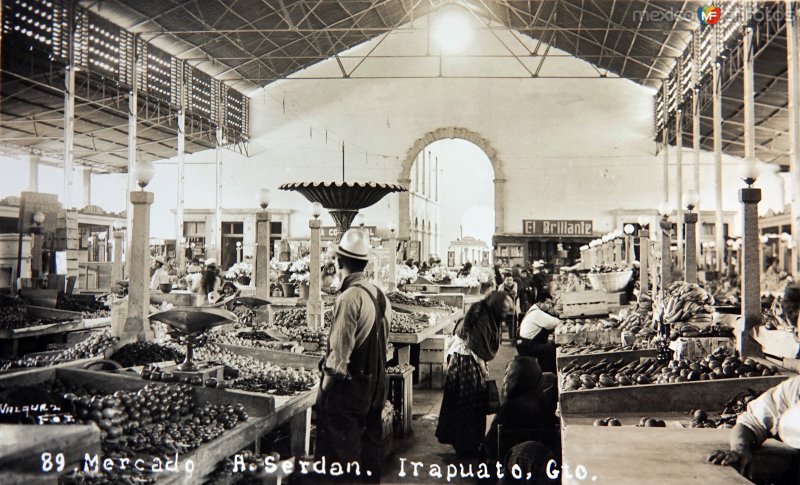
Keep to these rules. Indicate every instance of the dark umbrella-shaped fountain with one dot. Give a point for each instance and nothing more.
(343, 200)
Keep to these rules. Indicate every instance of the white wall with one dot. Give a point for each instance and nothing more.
(571, 148)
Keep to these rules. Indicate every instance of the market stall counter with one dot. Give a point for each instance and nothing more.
(630, 455)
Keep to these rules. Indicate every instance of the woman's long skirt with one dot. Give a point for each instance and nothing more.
(462, 418)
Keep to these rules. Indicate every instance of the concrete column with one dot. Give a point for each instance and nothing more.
(314, 305)
(404, 206)
(179, 245)
(665, 142)
(33, 173)
(619, 254)
(261, 269)
(116, 267)
(719, 226)
(392, 259)
(133, 111)
(793, 61)
(690, 219)
(137, 326)
(751, 274)
(499, 206)
(644, 260)
(69, 130)
(87, 186)
(218, 199)
(679, 180)
(666, 254)
(696, 149)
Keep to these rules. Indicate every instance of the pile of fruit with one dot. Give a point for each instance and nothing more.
(576, 325)
(251, 339)
(685, 303)
(689, 330)
(409, 322)
(83, 303)
(718, 365)
(607, 373)
(603, 268)
(145, 353)
(399, 369)
(576, 349)
(302, 333)
(156, 421)
(90, 314)
(94, 346)
(297, 317)
(15, 315)
(258, 376)
(405, 298)
(727, 419)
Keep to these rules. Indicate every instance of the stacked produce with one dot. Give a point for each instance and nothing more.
(258, 376)
(639, 319)
(409, 322)
(576, 325)
(94, 346)
(719, 365)
(405, 298)
(685, 304)
(255, 339)
(399, 369)
(608, 373)
(297, 317)
(15, 315)
(727, 418)
(144, 353)
(576, 349)
(155, 422)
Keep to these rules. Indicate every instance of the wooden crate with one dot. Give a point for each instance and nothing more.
(653, 398)
(435, 342)
(400, 395)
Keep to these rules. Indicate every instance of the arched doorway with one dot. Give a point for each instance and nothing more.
(444, 134)
(448, 180)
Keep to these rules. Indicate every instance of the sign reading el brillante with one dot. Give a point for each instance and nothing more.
(556, 228)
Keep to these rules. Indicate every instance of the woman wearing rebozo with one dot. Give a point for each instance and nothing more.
(476, 339)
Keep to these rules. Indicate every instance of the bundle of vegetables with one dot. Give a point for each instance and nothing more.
(685, 303)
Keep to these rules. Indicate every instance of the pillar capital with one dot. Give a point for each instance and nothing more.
(314, 223)
(749, 195)
(141, 197)
(690, 217)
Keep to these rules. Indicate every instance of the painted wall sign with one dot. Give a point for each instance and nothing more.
(537, 227)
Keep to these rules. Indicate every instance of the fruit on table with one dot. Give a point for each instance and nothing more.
(720, 364)
(409, 322)
(144, 353)
(405, 298)
(298, 317)
(607, 422)
(685, 303)
(94, 346)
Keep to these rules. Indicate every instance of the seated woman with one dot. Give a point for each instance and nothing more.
(528, 404)
(535, 329)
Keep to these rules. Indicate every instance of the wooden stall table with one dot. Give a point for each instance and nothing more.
(629, 455)
(70, 322)
(402, 343)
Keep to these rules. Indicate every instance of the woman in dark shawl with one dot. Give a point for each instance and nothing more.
(528, 402)
(476, 339)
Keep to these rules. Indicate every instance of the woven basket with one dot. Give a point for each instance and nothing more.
(611, 282)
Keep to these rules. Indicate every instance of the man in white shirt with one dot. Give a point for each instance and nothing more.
(160, 277)
(774, 414)
(535, 330)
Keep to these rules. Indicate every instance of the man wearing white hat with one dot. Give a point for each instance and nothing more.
(160, 277)
(353, 391)
(774, 414)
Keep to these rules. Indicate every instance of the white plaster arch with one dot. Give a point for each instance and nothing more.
(444, 134)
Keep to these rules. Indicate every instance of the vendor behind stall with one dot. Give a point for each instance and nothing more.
(535, 330)
(775, 414)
